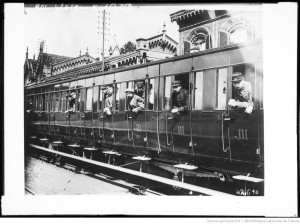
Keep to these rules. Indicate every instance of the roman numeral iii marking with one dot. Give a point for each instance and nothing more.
(243, 134)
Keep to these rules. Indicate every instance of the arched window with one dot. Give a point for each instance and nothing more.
(198, 40)
(235, 31)
(238, 34)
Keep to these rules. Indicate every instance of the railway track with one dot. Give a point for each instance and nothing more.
(137, 186)
(101, 177)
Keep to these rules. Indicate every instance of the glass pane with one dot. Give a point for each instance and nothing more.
(100, 99)
(89, 99)
(43, 102)
(198, 97)
(117, 90)
(222, 88)
(151, 94)
(78, 100)
(89, 82)
(57, 99)
(167, 94)
(95, 97)
(63, 102)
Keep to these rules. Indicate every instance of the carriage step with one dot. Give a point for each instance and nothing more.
(247, 178)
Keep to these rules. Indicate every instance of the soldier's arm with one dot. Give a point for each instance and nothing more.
(140, 104)
(249, 102)
(187, 102)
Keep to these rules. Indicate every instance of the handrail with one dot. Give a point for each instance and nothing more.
(169, 143)
(128, 136)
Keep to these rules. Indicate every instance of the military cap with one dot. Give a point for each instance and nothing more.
(140, 84)
(236, 77)
(129, 90)
(176, 83)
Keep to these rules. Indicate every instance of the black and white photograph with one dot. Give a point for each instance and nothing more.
(139, 102)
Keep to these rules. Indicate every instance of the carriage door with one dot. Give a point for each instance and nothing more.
(244, 126)
(139, 119)
(179, 126)
(208, 104)
(98, 122)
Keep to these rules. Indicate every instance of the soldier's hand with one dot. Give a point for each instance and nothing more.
(249, 109)
(232, 103)
(108, 112)
(135, 110)
(174, 110)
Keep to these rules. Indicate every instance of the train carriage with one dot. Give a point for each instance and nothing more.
(210, 135)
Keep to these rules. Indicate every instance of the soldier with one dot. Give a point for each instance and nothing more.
(139, 89)
(242, 94)
(71, 101)
(109, 97)
(135, 102)
(180, 98)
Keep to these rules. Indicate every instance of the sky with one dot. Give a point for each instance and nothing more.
(71, 28)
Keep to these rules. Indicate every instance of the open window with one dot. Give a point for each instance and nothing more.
(89, 99)
(150, 94)
(167, 93)
(117, 96)
(249, 74)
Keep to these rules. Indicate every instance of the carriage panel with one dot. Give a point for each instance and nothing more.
(211, 60)
(176, 67)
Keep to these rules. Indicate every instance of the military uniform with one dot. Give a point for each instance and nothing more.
(108, 103)
(136, 102)
(180, 100)
(243, 95)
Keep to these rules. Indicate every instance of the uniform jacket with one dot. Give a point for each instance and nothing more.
(108, 103)
(136, 102)
(180, 100)
(243, 96)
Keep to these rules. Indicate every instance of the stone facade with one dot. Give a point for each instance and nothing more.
(203, 29)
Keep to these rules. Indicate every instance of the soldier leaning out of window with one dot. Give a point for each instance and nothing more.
(180, 98)
(135, 102)
(242, 94)
(71, 101)
(139, 89)
(109, 97)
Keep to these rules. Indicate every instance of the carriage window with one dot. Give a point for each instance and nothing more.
(248, 73)
(78, 100)
(89, 99)
(95, 97)
(46, 102)
(100, 99)
(71, 98)
(151, 94)
(167, 95)
(57, 99)
(128, 85)
(63, 102)
(117, 90)
(222, 88)
(209, 89)
(43, 102)
(198, 97)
